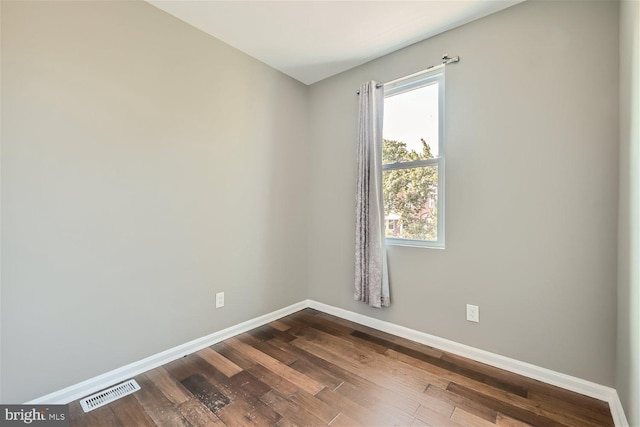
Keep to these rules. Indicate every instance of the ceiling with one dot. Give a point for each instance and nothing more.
(312, 40)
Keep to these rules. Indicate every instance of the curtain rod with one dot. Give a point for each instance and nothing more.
(446, 59)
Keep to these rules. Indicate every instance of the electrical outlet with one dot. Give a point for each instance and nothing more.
(220, 299)
(473, 313)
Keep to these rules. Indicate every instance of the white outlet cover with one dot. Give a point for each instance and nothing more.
(473, 313)
(220, 299)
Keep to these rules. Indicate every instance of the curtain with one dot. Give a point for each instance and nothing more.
(372, 279)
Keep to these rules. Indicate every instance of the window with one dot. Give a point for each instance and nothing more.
(413, 160)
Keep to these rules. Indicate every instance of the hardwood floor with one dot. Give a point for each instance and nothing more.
(311, 368)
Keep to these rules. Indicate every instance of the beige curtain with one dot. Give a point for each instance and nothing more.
(371, 279)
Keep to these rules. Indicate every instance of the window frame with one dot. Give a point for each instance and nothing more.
(398, 87)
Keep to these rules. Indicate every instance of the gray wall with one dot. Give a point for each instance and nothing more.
(145, 166)
(628, 361)
(531, 189)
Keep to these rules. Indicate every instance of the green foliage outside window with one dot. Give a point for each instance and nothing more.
(409, 194)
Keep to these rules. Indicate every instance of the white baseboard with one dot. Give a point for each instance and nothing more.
(568, 382)
(548, 376)
(617, 411)
(92, 385)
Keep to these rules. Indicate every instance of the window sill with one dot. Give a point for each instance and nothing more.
(414, 243)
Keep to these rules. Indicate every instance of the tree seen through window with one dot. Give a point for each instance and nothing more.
(410, 194)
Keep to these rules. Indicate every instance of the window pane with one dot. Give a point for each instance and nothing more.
(412, 118)
(411, 203)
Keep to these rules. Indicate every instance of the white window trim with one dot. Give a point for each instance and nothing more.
(407, 84)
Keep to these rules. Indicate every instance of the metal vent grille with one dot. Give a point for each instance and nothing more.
(107, 396)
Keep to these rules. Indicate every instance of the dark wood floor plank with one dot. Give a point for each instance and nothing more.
(468, 419)
(249, 384)
(591, 413)
(269, 333)
(245, 391)
(314, 405)
(325, 325)
(235, 356)
(219, 362)
(282, 327)
(311, 368)
(294, 324)
(399, 408)
(559, 394)
(445, 364)
(437, 404)
(316, 372)
(205, 392)
(278, 383)
(344, 363)
(180, 369)
(417, 422)
(364, 416)
(480, 367)
(385, 336)
(130, 413)
(377, 345)
(343, 420)
(156, 405)
(535, 387)
(192, 364)
(102, 416)
(405, 394)
(366, 362)
(168, 385)
(463, 403)
(206, 369)
(449, 376)
(245, 408)
(291, 410)
(279, 335)
(266, 347)
(262, 333)
(319, 367)
(197, 414)
(435, 418)
(517, 410)
(505, 421)
(285, 422)
(241, 413)
(308, 384)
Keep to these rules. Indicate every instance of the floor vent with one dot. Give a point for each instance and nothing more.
(109, 395)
